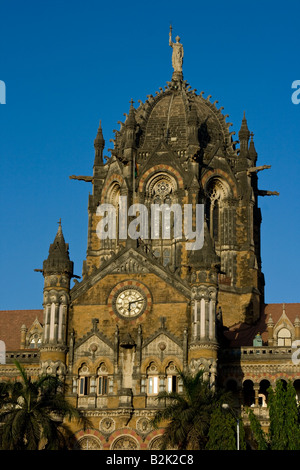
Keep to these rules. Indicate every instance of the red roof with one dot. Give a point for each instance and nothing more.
(11, 322)
(243, 334)
(238, 335)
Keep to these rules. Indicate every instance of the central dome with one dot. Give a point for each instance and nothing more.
(179, 117)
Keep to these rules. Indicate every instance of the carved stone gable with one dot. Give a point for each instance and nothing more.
(93, 347)
(162, 345)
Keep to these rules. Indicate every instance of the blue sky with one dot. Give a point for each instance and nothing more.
(66, 65)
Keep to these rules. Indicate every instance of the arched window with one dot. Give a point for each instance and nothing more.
(102, 380)
(284, 337)
(215, 220)
(248, 393)
(297, 388)
(35, 341)
(84, 380)
(263, 392)
(113, 197)
(152, 379)
(164, 224)
(215, 193)
(172, 378)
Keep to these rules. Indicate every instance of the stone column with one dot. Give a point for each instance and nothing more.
(202, 317)
(23, 336)
(270, 324)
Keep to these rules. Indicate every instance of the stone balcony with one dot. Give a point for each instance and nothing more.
(257, 353)
(31, 356)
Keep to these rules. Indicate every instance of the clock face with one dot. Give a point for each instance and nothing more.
(130, 302)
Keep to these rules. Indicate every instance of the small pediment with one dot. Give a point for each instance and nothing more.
(93, 345)
(162, 345)
(162, 154)
(283, 322)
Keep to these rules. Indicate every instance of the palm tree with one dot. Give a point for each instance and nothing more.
(187, 415)
(33, 414)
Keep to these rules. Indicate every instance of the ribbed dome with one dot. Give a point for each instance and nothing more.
(171, 115)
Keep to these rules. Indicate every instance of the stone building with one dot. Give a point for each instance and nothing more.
(147, 304)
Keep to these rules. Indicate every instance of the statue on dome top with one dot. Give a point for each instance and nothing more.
(177, 56)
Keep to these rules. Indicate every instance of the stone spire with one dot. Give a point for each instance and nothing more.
(99, 144)
(58, 260)
(252, 150)
(244, 135)
(130, 121)
(130, 132)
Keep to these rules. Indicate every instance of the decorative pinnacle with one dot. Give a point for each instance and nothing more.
(244, 132)
(130, 121)
(58, 260)
(99, 144)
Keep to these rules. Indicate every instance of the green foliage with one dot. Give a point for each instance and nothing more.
(284, 429)
(223, 431)
(258, 434)
(187, 414)
(33, 414)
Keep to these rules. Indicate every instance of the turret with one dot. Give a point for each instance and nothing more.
(57, 271)
(205, 266)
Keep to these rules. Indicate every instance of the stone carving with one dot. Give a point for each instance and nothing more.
(156, 444)
(125, 443)
(143, 425)
(177, 56)
(89, 443)
(107, 425)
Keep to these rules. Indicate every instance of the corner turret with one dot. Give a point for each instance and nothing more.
(57, 271)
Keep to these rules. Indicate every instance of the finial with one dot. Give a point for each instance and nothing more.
(59, 222)
(252, 150)
(244, 133)
(99, 142)
(130, 120)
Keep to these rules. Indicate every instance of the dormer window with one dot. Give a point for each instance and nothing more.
(35, 341)
(284, 337)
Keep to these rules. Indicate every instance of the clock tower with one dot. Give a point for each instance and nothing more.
(149, 303)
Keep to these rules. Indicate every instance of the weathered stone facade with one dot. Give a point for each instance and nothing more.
(175, 148)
